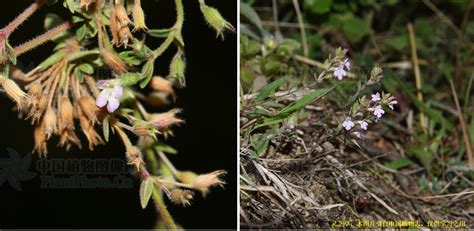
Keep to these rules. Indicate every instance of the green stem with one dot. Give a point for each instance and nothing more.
(153, 162)
(178, 26)
(164, 213)
(27, 46)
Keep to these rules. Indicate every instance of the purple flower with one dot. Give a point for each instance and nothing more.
(359, 135)
(348, 124)
(375, 97)
(347, 64)
(390, 105)
(378, 111)
(340, 72)
(110, 94)
(363, 124)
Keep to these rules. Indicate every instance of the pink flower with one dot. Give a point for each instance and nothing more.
(375, 97)
(363, 124)
(348, 124)
(110, 94)
(390, 105)
(378, 111)
(340, 72)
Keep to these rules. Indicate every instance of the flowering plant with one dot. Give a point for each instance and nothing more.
(65, 90)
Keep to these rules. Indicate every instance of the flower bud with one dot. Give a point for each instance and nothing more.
(40, 139)
(66, 114)
(215, 20)
(177, 69)
(144, 128)
(138, 17)
(134, 157)
(158, 83)
(164, 120)
(209, 180)
(181, 197)
(187, 177)
(14, 92)
(50, 122)
(121, 14)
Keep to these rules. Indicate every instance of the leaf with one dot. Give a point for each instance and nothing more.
(56, 57)
(86, 68)
(422, 155)
(248, 12)
(81, 32)
(269, 89)
(146, 189)
(400, 163)
(159, 33)
(83, 55)
(147, 72)
(179, 38)
(295, 106)
(165, 148)
(105, 128)
(319, 6)
(355, 29)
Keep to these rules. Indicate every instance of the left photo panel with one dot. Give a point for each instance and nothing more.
(118, 114)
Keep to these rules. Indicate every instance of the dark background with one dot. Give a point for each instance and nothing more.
(205, 143)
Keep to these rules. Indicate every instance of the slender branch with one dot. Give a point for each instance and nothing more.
(33, 43)
(165, 214)
(13, 25)
(302, 28)
(167, 162)
(176, 30)
(416, 68)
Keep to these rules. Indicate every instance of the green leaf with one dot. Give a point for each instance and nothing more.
(147, 72)
(160, 33)
(355, 29)
(86, 68)
(83, 54)
(81, 32)
(56, 57)
(269, 89)
(130, 79)
(422, 155)
(160, 146)
(249, 13)
(179, 38)
(146, 189)
(400, 163)
(319, 6)
(295, 106)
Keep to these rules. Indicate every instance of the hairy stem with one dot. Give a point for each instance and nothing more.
(164, 213)
(33, 43)
(176, 30)
(13, 25)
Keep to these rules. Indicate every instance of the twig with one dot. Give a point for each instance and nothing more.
(302, 28)
(465, 134)
(416, 66)
(443, 17)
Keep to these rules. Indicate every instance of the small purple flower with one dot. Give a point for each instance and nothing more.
(348, 124)
(375, 97)
(359, 135)
(363, 124)
(390, 105)
(340, 72)
(378, 111)
(347, 64)
(110, 94)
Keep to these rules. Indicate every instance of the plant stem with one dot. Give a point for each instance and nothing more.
(160, 204)
(167, 162)
(175, 32)
(33, 43)
(13, 25)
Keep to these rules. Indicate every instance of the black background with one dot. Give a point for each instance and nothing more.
(205, 143)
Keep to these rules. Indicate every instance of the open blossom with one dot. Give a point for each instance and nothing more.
(348, 124)
(378, 111)
(340, 72)
(110, 94)
(390, 105)
(375, 97)
(363, 124)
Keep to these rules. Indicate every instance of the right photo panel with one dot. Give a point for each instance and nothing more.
(356, 114)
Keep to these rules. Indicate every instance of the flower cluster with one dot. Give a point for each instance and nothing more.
(366, 111)
(336, 66)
